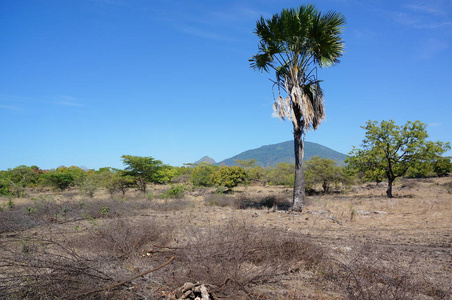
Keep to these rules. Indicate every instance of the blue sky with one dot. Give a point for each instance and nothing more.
(83, 82)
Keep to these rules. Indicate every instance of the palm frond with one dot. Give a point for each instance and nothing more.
(293, 43)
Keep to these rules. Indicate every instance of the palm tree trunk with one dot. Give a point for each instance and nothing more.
(299, 186)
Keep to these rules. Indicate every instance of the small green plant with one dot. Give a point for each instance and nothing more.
(26, 246)
(175, 192)
(65, 211)
(10, 203)
(352, 213)
(104, 210)
(150, 196)
(221, 190)
(31, 210)
(91, 219)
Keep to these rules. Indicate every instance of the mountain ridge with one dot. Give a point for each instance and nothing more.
(270, 155)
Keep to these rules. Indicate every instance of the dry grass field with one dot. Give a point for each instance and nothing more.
(242, 245)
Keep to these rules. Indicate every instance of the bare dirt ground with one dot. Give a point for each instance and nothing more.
(367, 246)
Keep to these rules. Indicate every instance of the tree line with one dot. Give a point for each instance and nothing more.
(388, 152)
(140, 171)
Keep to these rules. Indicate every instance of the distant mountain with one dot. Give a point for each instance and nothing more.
(207, 160)
(270, 155)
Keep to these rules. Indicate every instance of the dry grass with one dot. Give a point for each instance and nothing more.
(356, 246)
(237, 255)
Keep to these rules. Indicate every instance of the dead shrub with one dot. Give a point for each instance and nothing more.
(58, 267)
(221, 200)
(448, 186)
(369, 276)
(122, 238)
(170, 205)
(48, 209)
(280, 202)
(15, 220)
(408, 184)
(38, 268)
(236, 255)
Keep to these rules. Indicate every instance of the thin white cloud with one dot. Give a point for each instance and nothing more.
(426, 8)
(10, 107)
(69, 101)
(431, 48)
(199, 32)
(432, 14)
(421, 22)
(435, 124)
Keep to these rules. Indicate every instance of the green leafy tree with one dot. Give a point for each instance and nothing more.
(325, 172)
(57, 180)
(77, 173)
(182, 174)
(246, 164)
(90, 183)
(165, 174)
(253, 172)
(422, 169)
(4, 187)
(293, 44)
(229, 177)
(282, 174)
(442, 166)
(257, 174)
(393, 149)
(201, 175)
(63, 177)
(143, 169)
(115, 180)
(18, 179)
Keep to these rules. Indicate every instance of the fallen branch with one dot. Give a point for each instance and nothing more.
(125, 281)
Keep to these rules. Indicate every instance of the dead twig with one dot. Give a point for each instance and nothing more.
(125, 281)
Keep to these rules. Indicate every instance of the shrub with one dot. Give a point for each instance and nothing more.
(89, 185)
(58, 180)
(237, 255)
(123, 238)
(16, 180)
(273, 201)
(282, 174)
(229, 177)
(420, 170)
(201, 175)
(324, 172)
(375, 277)
(443, 166)
(222, 200)
(175, 192)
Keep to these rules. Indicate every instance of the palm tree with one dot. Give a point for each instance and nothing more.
(293, 43)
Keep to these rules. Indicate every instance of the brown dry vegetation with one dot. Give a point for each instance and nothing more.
(245, 245)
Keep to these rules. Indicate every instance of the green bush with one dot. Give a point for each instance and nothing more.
(420, 170)
(201, 175)
(442, 167)
(175, 192)
(15, 181)
(325, 173)
(282, 174)
(229, 177)
(57, 180)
